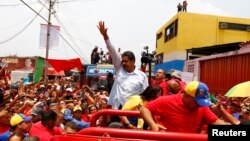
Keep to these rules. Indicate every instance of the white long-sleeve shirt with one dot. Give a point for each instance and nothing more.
(126, 84)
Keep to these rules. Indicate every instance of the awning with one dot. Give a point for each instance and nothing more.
(52, 71)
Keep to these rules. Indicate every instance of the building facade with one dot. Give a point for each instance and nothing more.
(191, 30)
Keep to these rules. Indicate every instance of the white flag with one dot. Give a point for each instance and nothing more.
(54, 36)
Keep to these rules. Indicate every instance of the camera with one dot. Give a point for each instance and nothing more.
(145, 47)
(147, 57)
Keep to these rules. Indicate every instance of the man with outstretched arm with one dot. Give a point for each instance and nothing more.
(129, 80)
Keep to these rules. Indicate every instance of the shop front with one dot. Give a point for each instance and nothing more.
(97, 75)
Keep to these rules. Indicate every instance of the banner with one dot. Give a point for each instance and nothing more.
(97, 71)
(54, 36)
(18, 76)
(38, 69)
(17, 63)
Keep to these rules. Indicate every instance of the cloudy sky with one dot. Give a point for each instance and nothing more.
(132, 23)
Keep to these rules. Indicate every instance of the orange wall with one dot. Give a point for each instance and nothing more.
(223, 73)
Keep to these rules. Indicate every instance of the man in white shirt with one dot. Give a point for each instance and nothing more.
(129, 80)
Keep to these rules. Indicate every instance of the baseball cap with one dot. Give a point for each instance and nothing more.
(176, 74)
(171, 71)
(38, 107)
(199, 91)
(18, 118)
(77, 108)
(69, 89)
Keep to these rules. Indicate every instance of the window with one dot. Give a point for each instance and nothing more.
(171, 31)
(190, 68)
(159, 35)
(159, 58)
(234, 26)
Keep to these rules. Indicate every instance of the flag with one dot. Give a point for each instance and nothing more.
(38, 69)
(65, 65)
(54, 36)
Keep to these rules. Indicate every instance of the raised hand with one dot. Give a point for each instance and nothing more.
(103, 30)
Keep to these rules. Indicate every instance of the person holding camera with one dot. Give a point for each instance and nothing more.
(129, 79)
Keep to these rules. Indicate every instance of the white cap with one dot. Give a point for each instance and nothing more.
(176, 74)
(69, 89)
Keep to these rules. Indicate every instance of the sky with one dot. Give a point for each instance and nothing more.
(132, 24)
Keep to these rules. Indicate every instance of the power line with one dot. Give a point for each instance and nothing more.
(72, 48)
(30, 3)
(65, 30)
(70, 38)
(38, 14)
(69, 35)
(16, 24)
(34, 10)
(25, 27)
(76, 30)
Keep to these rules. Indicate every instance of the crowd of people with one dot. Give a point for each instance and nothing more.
(36, 111)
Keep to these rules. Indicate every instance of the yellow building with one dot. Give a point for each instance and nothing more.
(191, 30)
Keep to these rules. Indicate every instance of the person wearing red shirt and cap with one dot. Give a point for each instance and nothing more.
(183, 112)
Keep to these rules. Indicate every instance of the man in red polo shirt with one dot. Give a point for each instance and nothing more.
(182, 112)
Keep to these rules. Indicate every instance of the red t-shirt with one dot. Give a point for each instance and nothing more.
(43, 133)
(163, 85)
(176, 117)
(85, 118)
(27, 111)
(3, 129)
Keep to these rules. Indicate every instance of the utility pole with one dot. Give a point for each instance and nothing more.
(47, 38)
(47, 45)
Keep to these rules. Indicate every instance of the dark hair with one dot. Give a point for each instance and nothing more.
(129, 54)
(13, 128)
(150, 92)
(115, 125)
(1, 97)
(90, 106)
(168, 76)
(48, 115)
